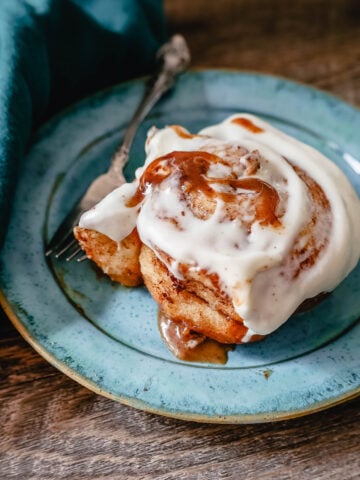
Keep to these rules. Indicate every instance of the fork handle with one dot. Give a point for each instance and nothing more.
(173, 58)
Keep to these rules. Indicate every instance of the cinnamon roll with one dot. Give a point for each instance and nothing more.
(232, 230)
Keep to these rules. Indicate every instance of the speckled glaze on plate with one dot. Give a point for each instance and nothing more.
(105, 336)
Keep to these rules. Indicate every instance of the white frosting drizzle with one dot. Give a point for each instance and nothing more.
(248, 265)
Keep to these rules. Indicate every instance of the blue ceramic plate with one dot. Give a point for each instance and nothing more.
(105, 336)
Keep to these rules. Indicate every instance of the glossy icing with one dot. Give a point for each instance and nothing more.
(259, 171)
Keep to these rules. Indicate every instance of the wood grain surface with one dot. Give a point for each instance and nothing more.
(52, 428)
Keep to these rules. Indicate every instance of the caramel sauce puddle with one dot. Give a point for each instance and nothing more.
(190, 346)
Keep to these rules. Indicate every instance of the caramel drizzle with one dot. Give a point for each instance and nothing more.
(248, 124)
(191, 170)
(181, 132)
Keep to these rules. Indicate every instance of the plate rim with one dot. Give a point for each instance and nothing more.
(132, 401)
(141, 405)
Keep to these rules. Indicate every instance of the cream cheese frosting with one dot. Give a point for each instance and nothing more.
(248, 263)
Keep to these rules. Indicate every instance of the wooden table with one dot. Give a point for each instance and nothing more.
(52, 428)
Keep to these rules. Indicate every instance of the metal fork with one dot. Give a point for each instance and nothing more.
(172, 59)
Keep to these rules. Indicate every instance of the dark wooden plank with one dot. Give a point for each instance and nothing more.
(53, 428)
(313, 41)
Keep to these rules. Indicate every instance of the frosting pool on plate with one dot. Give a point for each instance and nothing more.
(247, 163)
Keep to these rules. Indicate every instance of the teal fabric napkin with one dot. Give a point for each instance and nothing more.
(53, 52)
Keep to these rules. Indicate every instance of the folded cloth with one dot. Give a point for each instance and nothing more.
(53, 52)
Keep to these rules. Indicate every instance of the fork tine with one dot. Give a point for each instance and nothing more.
(69, 244)
(65, 241)
(81, 259)
(57, 244)
(73, 254)
(64, 233)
